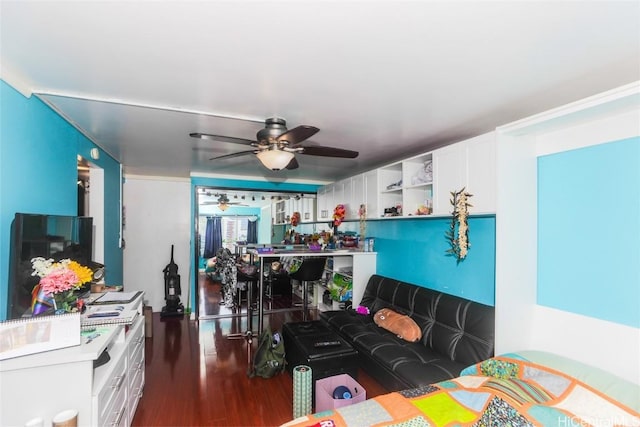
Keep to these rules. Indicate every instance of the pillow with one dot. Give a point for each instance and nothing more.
(400, 324)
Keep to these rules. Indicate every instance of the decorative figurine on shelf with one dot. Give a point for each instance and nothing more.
(295, 219)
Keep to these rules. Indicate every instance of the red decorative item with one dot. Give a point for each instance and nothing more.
(338, 215)
(295, 219)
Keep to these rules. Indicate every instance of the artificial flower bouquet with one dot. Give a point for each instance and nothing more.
(58, 281)
(338, 215)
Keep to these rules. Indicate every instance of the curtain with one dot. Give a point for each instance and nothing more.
(252, 231)
(212, 236)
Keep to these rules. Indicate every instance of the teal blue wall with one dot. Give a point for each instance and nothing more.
(38, 174)
(588, 231)
(414, 251)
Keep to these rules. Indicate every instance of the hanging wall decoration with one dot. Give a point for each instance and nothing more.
(362, 214)
(458, 233)
(338, 215)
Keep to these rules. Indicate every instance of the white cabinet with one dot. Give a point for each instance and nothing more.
(279, 212)
(449, 175)
(282, 210)
(350, 192)
(110, 388)
(289, 208)
(324, 202)
(135, 366)
(308, 209)
(481, 173)
(468, 164)
(44, 384)
(358, 196)
(371, 189)
(340, 189)
(427, 180)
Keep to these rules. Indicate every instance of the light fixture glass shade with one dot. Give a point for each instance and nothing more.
(275, 159)
(223, 206)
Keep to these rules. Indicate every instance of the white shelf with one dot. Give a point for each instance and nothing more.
(426, 179)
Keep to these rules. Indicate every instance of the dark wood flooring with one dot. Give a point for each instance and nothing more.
(196, 376)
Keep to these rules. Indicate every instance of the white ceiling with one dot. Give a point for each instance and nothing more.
(388, 78)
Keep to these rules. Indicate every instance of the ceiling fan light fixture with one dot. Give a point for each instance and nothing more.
(223, 206)
(275, 159)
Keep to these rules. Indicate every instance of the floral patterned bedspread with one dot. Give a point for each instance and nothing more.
(501, 391)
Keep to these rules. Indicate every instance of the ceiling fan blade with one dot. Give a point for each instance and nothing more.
(221, 138)
(293, 164)
(228, 156)
(298, 134)
(329, 152)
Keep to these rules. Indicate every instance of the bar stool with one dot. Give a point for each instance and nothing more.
(247, 283)
(311, 269)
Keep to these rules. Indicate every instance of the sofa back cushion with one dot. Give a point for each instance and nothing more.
(461, 329)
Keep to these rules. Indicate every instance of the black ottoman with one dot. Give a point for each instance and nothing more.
(300, 349)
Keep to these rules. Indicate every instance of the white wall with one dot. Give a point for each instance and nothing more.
(157, 213)
(520, 322)
(96, 211)
(264, 230)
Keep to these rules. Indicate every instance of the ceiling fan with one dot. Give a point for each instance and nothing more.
(276, 146)
(223, 202)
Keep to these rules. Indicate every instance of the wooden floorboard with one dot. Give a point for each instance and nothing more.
(196, 376)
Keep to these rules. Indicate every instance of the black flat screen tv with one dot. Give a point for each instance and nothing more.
(48, 236)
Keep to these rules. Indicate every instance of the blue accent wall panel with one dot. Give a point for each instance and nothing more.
(38, 174)
(414, 251)
(589, 231)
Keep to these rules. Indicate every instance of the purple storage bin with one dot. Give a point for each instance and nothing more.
(324, 392)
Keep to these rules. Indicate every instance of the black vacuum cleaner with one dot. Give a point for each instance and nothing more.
(174, 307)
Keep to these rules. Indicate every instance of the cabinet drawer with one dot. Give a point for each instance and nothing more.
(116, 414)
(116, 384)
(135, 337)
(136, 385)
(136, 366)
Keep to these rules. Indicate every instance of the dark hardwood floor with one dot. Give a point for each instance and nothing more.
(196, 376)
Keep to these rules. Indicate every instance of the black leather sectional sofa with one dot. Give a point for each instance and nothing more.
(456, 333)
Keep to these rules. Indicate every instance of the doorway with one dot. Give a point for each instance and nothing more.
(237, 210)
(91, 202)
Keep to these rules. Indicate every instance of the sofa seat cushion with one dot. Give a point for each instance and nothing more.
(412, 362)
